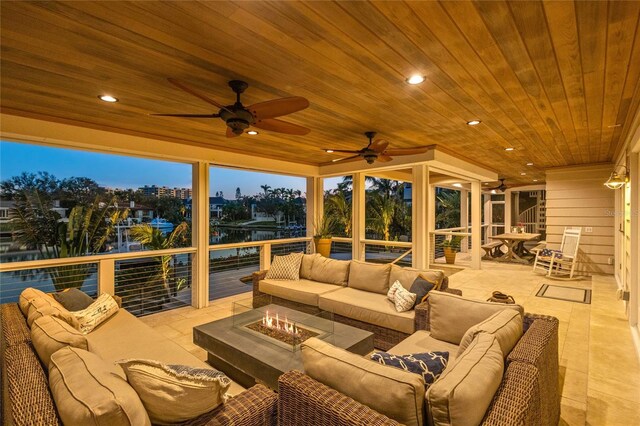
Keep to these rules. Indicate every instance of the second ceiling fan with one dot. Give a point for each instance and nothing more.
(239, 118)
(377, 150)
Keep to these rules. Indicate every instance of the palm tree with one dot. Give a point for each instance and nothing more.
(266, 189)
(152, 238)
(381, 211)
(339, 208)
(448, 209)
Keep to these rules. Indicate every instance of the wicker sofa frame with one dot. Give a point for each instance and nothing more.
(528, 394)
(26, 399)
(383, 338)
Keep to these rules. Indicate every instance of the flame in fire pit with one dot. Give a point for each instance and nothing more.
(274, 322)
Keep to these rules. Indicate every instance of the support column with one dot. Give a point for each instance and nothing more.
(420, 204)
(200, 232)
(634, 267)
(488, 216)
(431, 222)
(358, 217)
(464, 218)
(507, 210)
(476, 223)
(315, 205)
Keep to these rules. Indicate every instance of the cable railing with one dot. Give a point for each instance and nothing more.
(396, 252)
(341, 248)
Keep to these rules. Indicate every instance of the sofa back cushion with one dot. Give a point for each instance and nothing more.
(306, 265)
(47, 305)
(395, 393)
(462, 394)
(27, 295)
(407, 276)
(49, 334)
(88, 391)
(505, 325)
(371, 277)
(330, 271)
(450, 315)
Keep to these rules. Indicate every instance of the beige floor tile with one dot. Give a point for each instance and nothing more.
(572, 413)
(573, 384)
(604, 409)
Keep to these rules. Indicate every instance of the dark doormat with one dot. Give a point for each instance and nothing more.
(570, 294)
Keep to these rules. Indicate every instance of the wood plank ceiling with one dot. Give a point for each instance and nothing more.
(558, 81)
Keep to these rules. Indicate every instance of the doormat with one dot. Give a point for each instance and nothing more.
(570, 294)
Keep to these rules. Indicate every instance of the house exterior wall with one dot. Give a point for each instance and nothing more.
(577, 197)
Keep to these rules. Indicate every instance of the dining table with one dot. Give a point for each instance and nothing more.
(515, 245)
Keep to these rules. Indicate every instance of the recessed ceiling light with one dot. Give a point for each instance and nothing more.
(523, 174)
(107, 98)
(416, 79)
(457, 185)
(529, 164)
(509, 149)
(252, 132)
(614, 125)
(486, 183)
(535, 180)
(474, 122)
(329, 150)
(493, 191)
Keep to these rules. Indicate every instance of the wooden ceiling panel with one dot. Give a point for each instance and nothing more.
(556, 80)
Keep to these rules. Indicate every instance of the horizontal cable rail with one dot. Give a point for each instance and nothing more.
(387, 252)
(257, 243)
(341, 248)
(230, 270)
(387, 243)
(278, 249)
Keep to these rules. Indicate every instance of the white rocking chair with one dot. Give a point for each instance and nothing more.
(560, 263)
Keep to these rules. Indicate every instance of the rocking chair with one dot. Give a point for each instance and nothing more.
(559, 263)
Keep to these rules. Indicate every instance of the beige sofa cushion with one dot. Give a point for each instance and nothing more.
(173, 393)
(421, 341)
(462, 394)
(42, 306)
(372, 308)
(407, 276)
(450, 315)
(27, 295)
(301, 291)
(369, 276)
(49, 334)
(391, 391)
(505, 325)
(306, 265)
(330, 271)
(87, 391)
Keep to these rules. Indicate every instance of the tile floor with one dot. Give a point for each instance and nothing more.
(599, 367)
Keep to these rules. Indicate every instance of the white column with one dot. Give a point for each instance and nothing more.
(464, 218)
(507, 210)
(200, 225)
(419, 216)
(358, 216)
(476, 231)
(315, 205)
(107, 276)
(431, 220)
(488, 216)
(634, 279)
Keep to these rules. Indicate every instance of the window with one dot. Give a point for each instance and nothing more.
(337, 204)
(388, 210)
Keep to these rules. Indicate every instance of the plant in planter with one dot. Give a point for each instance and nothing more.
(450, 247)
(323, 234)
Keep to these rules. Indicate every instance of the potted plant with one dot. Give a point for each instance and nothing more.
(322, 236)
(450, 247)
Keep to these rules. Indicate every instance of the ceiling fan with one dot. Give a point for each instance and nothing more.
(239, 118)
(500, 187)
(377, 150)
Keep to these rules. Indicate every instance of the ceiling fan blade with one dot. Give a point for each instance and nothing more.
(345, 158)
(187, 115)
(405, 151)
(346, 151)
(196, 94)
(379, 145)
(278, 107)
(384, 158)
(230, 133)
(280, 126)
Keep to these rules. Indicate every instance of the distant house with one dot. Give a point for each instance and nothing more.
(7, 205)
(215, 207)
(137, 212)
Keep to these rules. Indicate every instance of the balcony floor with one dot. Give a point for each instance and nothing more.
(599, 367)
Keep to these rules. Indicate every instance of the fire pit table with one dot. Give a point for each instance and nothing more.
(259, 345)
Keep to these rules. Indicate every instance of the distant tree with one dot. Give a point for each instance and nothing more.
(26, 183)
(265, 188)
(169, 208)
(79, 190)
(238, 193)
(339, 208)
(381, 211)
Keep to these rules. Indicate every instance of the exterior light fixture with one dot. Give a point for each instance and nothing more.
(493, 191)
(107, 98)
(457, 185)
(416, 79)
(252, 132)
(616, 180)
(509, 149)
(474, 122)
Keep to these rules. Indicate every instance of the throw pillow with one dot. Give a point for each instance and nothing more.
(73, 299)
(27, 295)
(404, 300)
(88, 390)
(429, 365)
(97, 313)
(49, 334)
(175, 393)
(43, 306)
(392, 291)
(545, 252)
(421, 287)
(285, 267)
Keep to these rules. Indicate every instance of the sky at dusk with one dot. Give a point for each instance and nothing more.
(116, 171)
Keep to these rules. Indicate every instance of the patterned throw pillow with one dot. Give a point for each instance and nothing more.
(285, 267)
(404, 299)
(175, 393)
(429, 365)
(548, 253)
(421, 287)
(97, 313)
(392, 290)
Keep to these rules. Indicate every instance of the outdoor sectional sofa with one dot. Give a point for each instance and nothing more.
(27, 399)
(355, 292)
